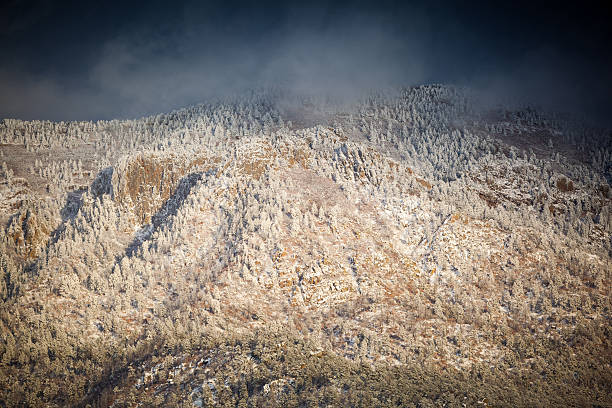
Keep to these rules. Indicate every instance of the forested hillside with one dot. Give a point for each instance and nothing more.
(410, 249)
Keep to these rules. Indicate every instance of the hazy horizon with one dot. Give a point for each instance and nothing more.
(68, 61)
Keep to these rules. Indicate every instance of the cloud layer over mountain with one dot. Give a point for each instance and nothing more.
(70, 61)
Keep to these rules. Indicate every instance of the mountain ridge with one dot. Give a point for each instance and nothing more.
(407, 233)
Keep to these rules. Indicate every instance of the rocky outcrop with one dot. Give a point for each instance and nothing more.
(144, 182)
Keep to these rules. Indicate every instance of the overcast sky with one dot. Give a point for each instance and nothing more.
(74, 60)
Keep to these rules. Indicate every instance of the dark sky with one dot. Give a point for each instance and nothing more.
(75, 60)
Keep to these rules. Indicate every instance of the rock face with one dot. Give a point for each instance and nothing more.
(144, 182)
(401, 252)
(29, 230)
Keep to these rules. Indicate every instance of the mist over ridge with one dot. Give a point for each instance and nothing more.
(70, 61)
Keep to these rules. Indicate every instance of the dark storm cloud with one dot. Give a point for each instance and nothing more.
(155, 67)
(73, 61)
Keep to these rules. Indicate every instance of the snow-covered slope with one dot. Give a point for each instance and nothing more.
(276, 249)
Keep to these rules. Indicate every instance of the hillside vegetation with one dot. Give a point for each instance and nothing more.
(278, 250)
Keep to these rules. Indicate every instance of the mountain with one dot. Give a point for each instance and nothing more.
(408, 249)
